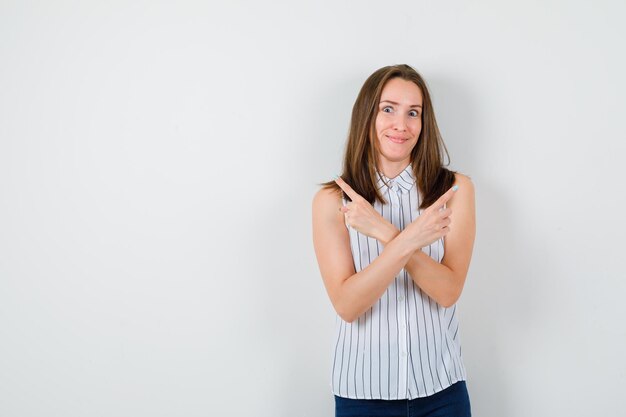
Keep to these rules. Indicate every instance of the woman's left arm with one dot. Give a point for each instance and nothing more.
(444, 281)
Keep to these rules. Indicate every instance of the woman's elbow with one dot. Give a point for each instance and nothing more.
(345, 314)
(450, 297)
(448, 302)
(344, 307)
(345, 310)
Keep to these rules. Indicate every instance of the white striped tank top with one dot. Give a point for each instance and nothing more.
(406, 345)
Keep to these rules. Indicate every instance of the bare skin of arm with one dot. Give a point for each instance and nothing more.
(353, 293)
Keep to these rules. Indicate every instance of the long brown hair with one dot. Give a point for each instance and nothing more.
(360, 160)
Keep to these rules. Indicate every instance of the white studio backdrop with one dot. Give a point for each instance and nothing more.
(157, 165)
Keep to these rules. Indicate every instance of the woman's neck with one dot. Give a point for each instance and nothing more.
(392, 169)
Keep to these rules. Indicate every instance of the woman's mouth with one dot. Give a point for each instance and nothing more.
(396, 139)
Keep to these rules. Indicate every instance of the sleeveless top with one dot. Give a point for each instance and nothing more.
(406, 345)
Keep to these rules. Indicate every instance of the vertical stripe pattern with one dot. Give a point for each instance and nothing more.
(406, 345)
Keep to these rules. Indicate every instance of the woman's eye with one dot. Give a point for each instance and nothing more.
(387, 109)
(413, 113)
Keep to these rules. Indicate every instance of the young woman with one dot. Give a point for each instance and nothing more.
(393, 237)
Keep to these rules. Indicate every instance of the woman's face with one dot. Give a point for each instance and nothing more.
(398, 122)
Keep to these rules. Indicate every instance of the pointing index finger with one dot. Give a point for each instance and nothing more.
(347, 189)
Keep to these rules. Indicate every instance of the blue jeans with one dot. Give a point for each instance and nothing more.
(451, 402)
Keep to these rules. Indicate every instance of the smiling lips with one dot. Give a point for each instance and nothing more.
(396, 139)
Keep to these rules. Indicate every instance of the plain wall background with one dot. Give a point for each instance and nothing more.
(157, 165)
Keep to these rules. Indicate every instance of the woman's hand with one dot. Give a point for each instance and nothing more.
(361, 216)
(432, 223)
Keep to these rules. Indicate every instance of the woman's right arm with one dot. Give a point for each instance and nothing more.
(351, 293)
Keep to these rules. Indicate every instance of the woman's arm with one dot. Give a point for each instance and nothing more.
(352, 293)
(444, 281)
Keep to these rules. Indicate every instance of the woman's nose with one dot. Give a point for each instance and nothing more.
(399, 123)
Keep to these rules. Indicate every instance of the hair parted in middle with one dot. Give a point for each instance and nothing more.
(361, 154)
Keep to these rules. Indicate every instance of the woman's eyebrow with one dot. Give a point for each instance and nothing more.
(394, 103)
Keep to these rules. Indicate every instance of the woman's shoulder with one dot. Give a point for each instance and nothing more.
(465, 194)
(326, 209)
(327, 199)
(463, 180)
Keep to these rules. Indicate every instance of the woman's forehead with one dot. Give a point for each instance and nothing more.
(401, 91)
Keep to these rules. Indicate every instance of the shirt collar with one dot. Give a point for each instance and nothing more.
(403, 182)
